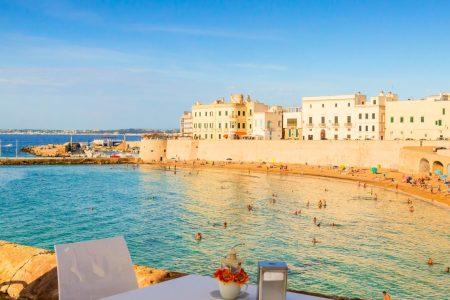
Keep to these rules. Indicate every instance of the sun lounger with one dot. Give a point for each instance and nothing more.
(94, 269)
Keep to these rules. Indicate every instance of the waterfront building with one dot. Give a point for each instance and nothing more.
(345, 117)
(225, 120)
(423, 119)
(268, 125)
(292, 123)
(186, 124)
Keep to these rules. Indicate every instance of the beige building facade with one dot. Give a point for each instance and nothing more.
(345, 117)
(225, 120)
(424, 119)
(186, 124)
(268, 125)
(292, 123)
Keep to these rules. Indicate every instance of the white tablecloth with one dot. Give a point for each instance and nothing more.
(191, 287)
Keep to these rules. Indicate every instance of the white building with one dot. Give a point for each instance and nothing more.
(424, 119)
(292, 123)
(345, 117)
(268, 125)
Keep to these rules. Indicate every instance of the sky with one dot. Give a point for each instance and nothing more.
(140, 64)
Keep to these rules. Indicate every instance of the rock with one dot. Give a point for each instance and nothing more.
(30, 273)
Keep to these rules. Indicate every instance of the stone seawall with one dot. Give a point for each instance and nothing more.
(330, 152)
(30, 273)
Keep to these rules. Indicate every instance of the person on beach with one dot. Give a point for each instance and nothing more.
(411, 209)
(430, 261)
(319, 204)
(447, 270)
(314, 241)
(249, 207)
(386, 296)
(225, 224)
(198, 236)
(364, 185)
(315, 220)
(376, 196)
(324, 203)
(307, 204)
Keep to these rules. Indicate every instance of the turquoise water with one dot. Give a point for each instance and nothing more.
(377, 245)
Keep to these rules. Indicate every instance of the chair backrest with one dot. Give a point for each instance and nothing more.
(94, 269)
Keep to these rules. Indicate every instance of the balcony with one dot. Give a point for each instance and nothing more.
(348, 124)
(322, 125)
(335, 124)
(309, 125)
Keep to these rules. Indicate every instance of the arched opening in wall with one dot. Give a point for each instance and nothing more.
(438, 166)
(424, 166)
(323, 135)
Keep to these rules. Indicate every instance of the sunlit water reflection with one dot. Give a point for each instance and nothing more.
(377, 245)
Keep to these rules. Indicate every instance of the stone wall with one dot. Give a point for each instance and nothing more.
(30, 273)
(330, 152)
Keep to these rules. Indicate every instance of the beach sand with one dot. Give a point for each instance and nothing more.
(435, 190)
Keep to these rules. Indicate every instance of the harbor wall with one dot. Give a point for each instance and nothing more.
(329, 152)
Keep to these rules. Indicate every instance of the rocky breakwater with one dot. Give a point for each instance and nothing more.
(51, 150)
(30, 273)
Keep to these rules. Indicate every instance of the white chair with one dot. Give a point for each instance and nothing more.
(94, 269)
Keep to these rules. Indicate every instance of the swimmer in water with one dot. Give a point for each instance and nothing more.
(386, 296)
(430, 261)
(198, 236)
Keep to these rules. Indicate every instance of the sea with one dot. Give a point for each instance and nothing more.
(374, 244)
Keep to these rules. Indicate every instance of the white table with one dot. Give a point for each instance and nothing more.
(190, 287)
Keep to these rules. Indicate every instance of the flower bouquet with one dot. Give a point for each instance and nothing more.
(231, 276)
(230, 282)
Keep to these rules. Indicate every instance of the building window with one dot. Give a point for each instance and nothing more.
(250, 112)
(401, 119)
(349, 136)
(226, 113)
(239, 113)
(322, 120)
(211, 136)
(374, 102)
(367, 116)
(211, 113)
(220, 125)
(206, 136)
(335, 136)
(348, 104)
(373, 116)
(349, 119)
(239, 125)
(323, 105)
(392, 119)
(310, 106)
(335, 105)
(310, 120)
(220, 136)
(243, 125)
(422, 119)
(360, 129)
(220, 113)
(243, 113)
(226, 125)
(411, 119)
(373, 127)
(336, 120)
(310, 137)
(360, 116)
(250, 126)
(443, 111)
(367, 128)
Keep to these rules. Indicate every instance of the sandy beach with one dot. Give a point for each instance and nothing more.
(432, 189)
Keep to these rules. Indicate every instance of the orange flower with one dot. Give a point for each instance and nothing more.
(241, 277)
(224, 275)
